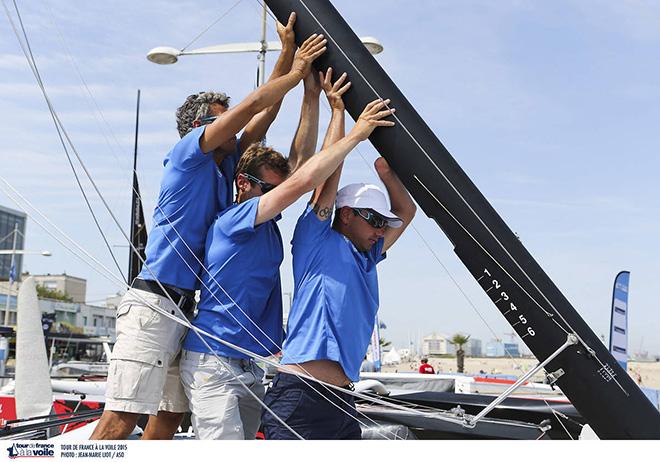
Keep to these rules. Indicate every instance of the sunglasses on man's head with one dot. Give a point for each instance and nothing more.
(371, 217)
(207, 119)
(265, 187)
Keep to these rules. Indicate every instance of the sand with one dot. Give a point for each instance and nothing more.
(649, 372)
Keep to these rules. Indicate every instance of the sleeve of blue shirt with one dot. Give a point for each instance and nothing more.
(186, 154)
(310, 227)
(237, 221)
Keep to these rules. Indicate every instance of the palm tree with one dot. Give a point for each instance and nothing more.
(459, 340)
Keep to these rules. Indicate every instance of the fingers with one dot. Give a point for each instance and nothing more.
(313, 42)
(340, 81)
(384, 113)
(343, 89)
(318, 53)
(292, 20)
(327, 79)
(375, 106)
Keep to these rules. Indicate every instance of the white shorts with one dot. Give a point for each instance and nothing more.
(222, 408)
(143, 376)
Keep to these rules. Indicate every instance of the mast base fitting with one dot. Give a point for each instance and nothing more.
(552, 377)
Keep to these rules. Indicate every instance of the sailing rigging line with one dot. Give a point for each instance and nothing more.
(439, 414)
(90, 96)
(113, 278)
(56, 120)
(467, 204)
(122, 283)
(212, 24)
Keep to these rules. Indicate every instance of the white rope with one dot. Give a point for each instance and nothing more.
(111, 277)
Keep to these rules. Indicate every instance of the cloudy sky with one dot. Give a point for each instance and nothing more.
(551, 108)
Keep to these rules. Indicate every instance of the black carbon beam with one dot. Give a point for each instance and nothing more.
(597, 386)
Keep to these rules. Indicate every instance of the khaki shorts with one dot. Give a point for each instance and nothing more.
(143, 376)
(222, 408)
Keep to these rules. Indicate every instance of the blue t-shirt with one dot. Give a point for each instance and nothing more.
(244, 260)
(192, 191)
(336, 296)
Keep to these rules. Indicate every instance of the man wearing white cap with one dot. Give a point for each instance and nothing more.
(335, 303)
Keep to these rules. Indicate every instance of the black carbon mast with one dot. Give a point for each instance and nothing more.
(597, 386)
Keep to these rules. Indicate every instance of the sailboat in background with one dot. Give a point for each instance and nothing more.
(136, 254)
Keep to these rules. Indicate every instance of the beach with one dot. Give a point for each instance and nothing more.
(647, 370)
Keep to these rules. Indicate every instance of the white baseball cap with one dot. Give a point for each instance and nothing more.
(367, 196)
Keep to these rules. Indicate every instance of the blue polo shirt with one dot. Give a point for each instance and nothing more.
(336, 296)
(192, 191)
(243, 302)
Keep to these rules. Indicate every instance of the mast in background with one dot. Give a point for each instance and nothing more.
(138, 227)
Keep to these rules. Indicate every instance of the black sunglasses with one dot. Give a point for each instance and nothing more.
(265, 187)
(371, 217)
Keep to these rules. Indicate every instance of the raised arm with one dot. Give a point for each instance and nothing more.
(256, 129)
(304, 141)
(320, 166)
(323, 199)
(232, 121)
(402, 204)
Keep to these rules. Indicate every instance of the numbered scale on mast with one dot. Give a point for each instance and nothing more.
(505, 304)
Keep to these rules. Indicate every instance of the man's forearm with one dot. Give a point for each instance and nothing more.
(272, 91)
(402, 204)
(284, 61)
(304, 142)
(336, 128)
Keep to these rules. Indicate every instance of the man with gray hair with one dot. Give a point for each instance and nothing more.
(143, 377)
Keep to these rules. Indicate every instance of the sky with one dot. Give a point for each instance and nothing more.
(551, 108)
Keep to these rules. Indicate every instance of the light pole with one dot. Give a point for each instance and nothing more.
(170, 55)
(13, 252)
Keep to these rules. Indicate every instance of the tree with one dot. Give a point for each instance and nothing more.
(459, 340)
(53, 294)
(384, 343)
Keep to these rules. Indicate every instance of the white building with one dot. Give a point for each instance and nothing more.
(435, 344)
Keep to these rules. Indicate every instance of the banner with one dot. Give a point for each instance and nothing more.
(619, 320)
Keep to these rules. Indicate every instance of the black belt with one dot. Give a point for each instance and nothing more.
(183, 299)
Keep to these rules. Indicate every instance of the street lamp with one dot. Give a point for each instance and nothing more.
(43, 253)
(13, 252)
(170, 55)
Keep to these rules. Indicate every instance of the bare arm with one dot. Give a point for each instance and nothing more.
(256, 129)
(320, 166)
(323, 198)
(304, 141)
(232, 121)
(402, 204)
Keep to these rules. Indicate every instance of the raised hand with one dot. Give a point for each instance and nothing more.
(287, 36)
(371, 118)
(382, 167)
(311, 49)
(334, 92)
